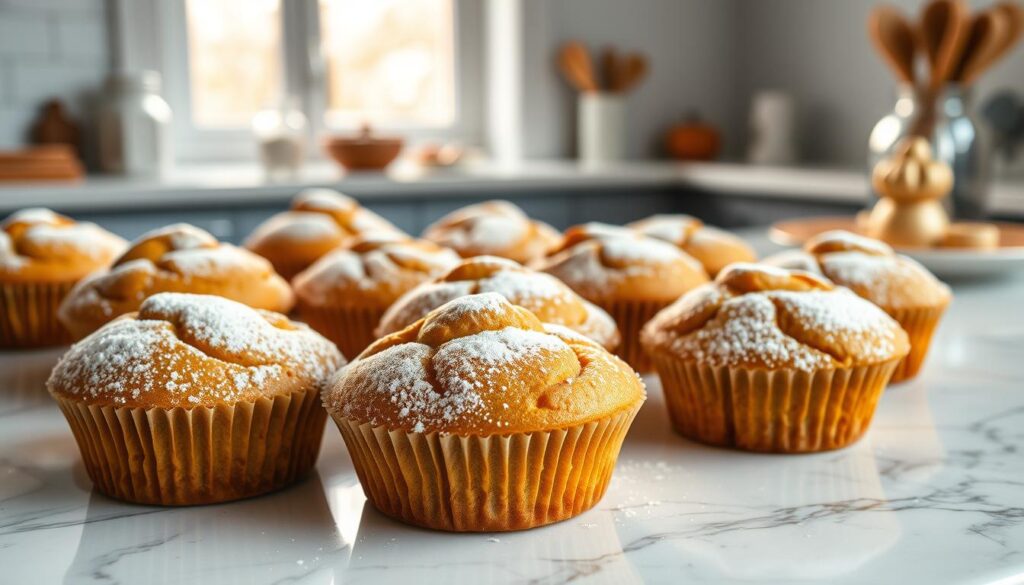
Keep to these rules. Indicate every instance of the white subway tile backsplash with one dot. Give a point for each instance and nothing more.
(14, 125)
(37, 81)
(24, 33)
(81, 38)
(49, 49)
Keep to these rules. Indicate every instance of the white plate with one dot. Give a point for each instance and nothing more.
(947, 263)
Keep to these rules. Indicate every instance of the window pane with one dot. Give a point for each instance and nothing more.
(389, 61)
(234, 59)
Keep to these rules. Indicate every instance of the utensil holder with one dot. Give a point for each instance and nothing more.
(601, 128)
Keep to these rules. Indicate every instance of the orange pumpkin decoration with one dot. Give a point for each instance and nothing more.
(693, 140)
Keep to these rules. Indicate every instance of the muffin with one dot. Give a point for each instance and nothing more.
(542, 294)
(767, 359)
(319, 221)
(493, 228)
(344, 294)
(42, 256)
(627, 274)
(176, 258)
(713, 248)
(195, 399)
(898, 284)
(481, 418)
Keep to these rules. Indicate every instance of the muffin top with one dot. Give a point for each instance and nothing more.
(176, 258)
(493, 228)
(869, 268)
(185, 350)
(319, 221)
(542, 294)
(39, 245)
(479, 365)
(761, 317)
(372, 271)
(713, 248)
(605, 263)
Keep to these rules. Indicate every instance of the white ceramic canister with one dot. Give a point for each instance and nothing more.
(772, 129)
(601, 127)
(135, 126)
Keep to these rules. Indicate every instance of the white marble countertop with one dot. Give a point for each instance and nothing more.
(933, 494)
(237, 184)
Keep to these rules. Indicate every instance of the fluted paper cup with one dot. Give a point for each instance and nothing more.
(920, 324)
(782, 411)
(630, 317)
(486, 484)
(30, 314)
(350, 328)
(201, 455)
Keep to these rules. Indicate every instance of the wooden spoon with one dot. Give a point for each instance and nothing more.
(611, 68)
(894, 38)
(1014, 16)
(988, 34)
(944, 28)
(574, 61)
(634, 69)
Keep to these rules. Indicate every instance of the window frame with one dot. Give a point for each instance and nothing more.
(152, 34)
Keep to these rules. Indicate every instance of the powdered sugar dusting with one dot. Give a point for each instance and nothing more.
(641, 249)
(182, 236)
(132, 356)
(745, 331)
(212, 263)
(465, 370)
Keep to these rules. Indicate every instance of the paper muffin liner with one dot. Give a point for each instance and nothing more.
(202, 455)
(30, 314)
(350, 328)
(920, 324)
(781, 411)
(630, 317)
(486, 484)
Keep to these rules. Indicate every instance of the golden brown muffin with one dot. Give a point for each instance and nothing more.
(42, 256)
(195, 399)
(713, 248)
(898, 284)
(493, 228)
(542, 294)
(344, 294)
(481, 418)
(176, 258)
(319, 221)
(625, 273)
(767, 359)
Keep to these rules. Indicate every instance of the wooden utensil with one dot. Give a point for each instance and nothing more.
(989, 31)
(894, 38)
(574, 62)
(943, 33)
(634, 69)
(1014, 16)
(611, 69)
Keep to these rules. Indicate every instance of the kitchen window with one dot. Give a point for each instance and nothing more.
(408, 67)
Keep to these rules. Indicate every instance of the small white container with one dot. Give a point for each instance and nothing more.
(772, 129)
(134, 126)
(601, 127)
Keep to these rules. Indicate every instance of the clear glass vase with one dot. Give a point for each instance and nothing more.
(949, 124)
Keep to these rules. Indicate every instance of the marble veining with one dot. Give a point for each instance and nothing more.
(933, 494)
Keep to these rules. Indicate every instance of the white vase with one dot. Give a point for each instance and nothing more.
(601, 127)
(134, 126)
